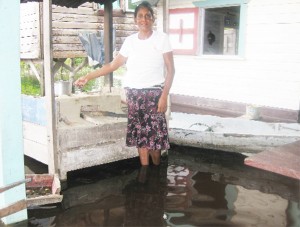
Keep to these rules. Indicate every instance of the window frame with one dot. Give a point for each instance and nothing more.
(195, 32)
(129, 6)
(242, 22)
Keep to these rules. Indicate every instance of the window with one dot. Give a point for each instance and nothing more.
(125, 5)
(221, 31)
(129, 5)
(223, 26)
(183, 30)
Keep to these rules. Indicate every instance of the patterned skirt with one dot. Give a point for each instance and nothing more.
(146, 127)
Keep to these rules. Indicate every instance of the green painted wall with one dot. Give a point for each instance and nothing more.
(11, 146)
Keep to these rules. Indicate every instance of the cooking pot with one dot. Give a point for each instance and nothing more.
(62, 88)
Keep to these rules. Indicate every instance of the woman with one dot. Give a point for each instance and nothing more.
(150, 71)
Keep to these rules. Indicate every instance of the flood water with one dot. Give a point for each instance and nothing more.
(192, 187)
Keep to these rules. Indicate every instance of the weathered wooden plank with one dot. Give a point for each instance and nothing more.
(71, 22)
(271, 30)
(269, 49)
(49, 88)
(123, 20)
(32, 50)
(30, 25)
(36, 151)
(29, 33)
(271, 2)
(82, 11)
(99, 134)
(39, 180)
(95, 155)
(276, 8)
(71, 32)
(66, 40)
(36, 72)
(34, 132)
(30, 55)
(29, 41)
(123, 33)
(87, 5)
(30, 47)
(24, 13)
(30, 44)
(43, 200)
(69, 54)
(67, 46)
(29, 8)
(12, 185)
(283, 160)
(67, 25)
(34, 110)
(128, 27)
(277, 19)
(255, 37)
(13, 208)
(29, 18)
(116, 13)
(64, 17)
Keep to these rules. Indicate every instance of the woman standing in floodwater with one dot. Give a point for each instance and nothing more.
(150, 71)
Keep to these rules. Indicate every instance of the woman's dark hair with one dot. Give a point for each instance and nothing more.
(146, 5)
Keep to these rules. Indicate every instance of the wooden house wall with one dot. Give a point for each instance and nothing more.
(67, 24)
(30, 30)
(268, 73)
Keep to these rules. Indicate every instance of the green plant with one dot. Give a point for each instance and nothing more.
(30, 86)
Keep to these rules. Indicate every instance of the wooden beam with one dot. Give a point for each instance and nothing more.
(49, 88)
(3, 189)
(13, 208)
(35, 71)
(108, 40)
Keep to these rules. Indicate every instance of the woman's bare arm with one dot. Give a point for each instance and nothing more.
(118, 61)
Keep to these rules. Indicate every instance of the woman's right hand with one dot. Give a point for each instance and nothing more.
(81, 81)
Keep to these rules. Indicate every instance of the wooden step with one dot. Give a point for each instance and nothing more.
(284, 160)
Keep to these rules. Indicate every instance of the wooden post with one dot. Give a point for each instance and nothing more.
(49, 88)
(166, 16)
(166, 30)
(11, 137)
(298, 120)
(108, 40)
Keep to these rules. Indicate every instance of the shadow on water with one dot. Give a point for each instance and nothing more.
(192, 187)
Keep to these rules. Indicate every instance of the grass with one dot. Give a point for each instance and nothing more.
(30, 86)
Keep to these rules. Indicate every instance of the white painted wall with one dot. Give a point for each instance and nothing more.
(268, 74)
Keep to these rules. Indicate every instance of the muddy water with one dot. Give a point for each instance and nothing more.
(192, 187)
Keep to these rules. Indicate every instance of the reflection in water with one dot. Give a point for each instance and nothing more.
(200, 200)
(145, 198)
(192, 188)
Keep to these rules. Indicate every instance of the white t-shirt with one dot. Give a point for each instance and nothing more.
(145, 63)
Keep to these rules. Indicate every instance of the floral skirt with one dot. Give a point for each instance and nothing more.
(146, 127)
